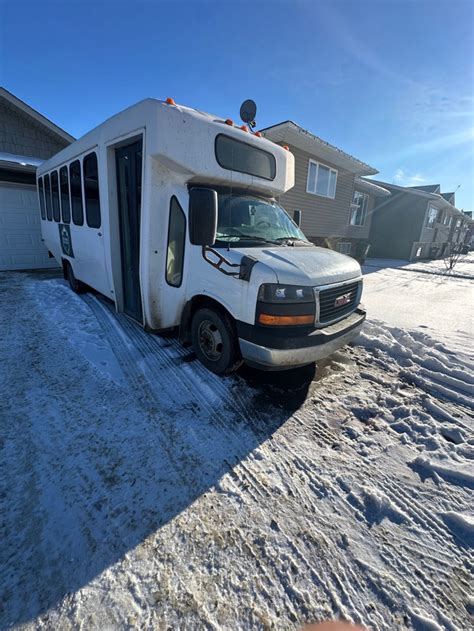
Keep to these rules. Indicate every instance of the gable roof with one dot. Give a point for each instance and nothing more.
(419, 191)
(429, 188)
(21, 105)
(449, 197)
(293, 134)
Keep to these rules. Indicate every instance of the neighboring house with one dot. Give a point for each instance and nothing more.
(469, 239)
(335, 202)
(416, 222)
(26, 139)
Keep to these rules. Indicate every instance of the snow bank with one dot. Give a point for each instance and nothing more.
(452, 472)
(461, 524)
(421, 622)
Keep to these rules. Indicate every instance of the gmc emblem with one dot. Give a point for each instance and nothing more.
(342, 300)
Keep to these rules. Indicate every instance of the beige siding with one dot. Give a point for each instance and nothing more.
(22, 135)
(321, 216)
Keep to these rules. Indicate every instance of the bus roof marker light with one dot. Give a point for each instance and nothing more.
(244, 128)
(170, 101)
(258, 134)
(229, 121)
(286, 147)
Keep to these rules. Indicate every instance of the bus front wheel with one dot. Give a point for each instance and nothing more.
(214, 341)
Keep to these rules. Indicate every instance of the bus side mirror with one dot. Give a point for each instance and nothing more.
(202, 216)
(297, 217)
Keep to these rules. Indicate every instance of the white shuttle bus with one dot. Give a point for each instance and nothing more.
(172, 214)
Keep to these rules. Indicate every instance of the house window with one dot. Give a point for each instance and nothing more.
(458, 224)
(432, 214)
(447, 220)
(419, 252)
(321, 180)
(359, 205)
(344, 247)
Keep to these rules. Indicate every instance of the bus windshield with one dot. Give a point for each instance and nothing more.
(254, 220)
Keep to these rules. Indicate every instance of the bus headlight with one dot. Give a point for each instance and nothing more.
(285, 305)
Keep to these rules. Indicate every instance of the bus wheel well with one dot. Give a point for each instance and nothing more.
(190, 309)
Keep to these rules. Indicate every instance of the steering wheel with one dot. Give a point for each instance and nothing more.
(264, 223)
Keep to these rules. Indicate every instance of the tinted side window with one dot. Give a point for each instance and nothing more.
(176, 239)
(76, 192)
(47, 191)
(91, 190)
(55, 196)
(239, 156)
(41, 198)
(64, 188)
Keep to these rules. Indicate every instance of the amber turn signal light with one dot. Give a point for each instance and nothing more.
(276, 320)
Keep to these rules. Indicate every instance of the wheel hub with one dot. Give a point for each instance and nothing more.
(210, 340)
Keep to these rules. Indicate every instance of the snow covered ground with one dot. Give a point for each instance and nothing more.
(140, 491)
(464, 266)
(432, 303)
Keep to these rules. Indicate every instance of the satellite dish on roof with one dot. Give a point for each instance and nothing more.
(248, 110)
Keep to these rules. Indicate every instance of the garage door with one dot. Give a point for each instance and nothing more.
(20, 235)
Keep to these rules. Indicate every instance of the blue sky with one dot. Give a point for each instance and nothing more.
(389, 82)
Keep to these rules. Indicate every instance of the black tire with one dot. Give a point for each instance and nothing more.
(76, 285)
(214, 341)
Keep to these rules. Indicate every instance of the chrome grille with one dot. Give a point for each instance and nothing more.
(336, 302)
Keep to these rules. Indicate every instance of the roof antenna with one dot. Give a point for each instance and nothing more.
(248, 110)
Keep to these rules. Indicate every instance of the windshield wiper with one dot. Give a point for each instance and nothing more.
(250, 237)
(292, 240)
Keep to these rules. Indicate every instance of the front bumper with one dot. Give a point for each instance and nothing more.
(302, 350)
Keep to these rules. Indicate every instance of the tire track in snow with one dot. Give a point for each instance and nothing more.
(246, 476)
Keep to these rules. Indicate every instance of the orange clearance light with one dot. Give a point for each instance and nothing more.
(286, 147)
(275, 320)
(170, 101)
(229, 121)
(244, 128)
(258, 134)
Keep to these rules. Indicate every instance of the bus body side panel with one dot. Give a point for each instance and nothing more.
(87, 244)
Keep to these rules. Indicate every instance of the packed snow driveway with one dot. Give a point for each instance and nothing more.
(137, 490)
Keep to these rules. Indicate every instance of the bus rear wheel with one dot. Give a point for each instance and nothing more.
(76, 285)
(214, 341)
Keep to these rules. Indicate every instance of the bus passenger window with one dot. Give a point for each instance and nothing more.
(47, 190)
(176, 239)
(41, 198)
(64, 188)
(91, 190)
(55, 196)
(76, 192)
